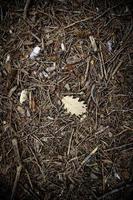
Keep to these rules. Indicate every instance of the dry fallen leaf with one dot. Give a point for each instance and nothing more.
(23, 96)
(74, 106)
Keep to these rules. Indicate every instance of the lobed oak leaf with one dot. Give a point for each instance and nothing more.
(74, 106)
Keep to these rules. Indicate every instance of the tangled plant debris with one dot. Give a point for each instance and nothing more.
(66, 99)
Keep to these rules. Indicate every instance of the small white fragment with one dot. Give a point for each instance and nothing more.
(62, 133)
(35, 52)
(8, 58)
(93, 43)
(117, 176)
(51, 118)
(45, 74)
(28, 113)
(54, 64)
(109, 45)
(82, 118)
(63, 47)
(97, 9)
(87, 84)
(47, 36)
(10, 31)
(23, 96)
(126, 9)
(34, 73)
(44, 139)
(67, 87)
(59, 102)
(51, 69)
(110, 134)
(40, 75)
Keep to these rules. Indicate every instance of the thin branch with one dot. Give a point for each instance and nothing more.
(26, 8)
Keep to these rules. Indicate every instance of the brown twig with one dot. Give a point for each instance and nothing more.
(26, 8)
(19, 167)
(70, 141)
(77, 22)
(87, 69)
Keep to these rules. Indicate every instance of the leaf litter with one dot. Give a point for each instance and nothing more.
(71, 60)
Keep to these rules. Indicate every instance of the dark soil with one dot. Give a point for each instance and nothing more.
(45, 152)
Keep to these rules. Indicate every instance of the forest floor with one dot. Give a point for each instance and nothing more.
(47, 149)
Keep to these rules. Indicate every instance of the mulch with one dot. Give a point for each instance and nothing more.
(45, 152)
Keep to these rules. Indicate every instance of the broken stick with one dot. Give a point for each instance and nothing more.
(19, 167)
